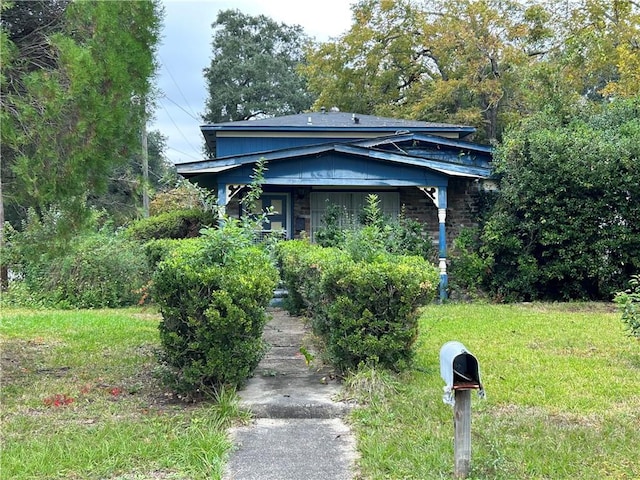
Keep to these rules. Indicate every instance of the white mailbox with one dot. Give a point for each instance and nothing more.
(460, 371)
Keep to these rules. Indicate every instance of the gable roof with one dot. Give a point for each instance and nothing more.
(444, 156)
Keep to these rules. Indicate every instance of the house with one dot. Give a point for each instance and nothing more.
(430, 170)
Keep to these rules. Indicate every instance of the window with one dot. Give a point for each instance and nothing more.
(353, 203)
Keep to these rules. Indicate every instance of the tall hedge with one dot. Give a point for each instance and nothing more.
(213, 292)
(567, 221)
(366, 311)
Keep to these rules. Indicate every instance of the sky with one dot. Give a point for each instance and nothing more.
(185, 50)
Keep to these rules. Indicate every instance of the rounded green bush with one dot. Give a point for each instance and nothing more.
(365, 310)
(213, 302)
(372, 310)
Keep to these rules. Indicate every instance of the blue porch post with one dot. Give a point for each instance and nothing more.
(442, 241)
(222, 202)
(438, 196)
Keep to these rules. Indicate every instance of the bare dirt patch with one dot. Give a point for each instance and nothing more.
(20, 358)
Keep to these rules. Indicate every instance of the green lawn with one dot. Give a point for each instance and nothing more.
(562, 397)
(80, 401)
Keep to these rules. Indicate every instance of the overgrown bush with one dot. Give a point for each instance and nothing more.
(372, 232)
(334, 223)
(158, 250)
(93, 269)
(372, 309)
(364, 308)
(566, 224)
(174, 224)
(185, 196)
(410, 237)
(629, 304)
(468, 269)
(102, 271)
(212, 292)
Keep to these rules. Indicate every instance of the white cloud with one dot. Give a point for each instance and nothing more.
(186, 50)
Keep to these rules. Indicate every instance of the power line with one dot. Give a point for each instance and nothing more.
(184, 153)
(164, 95)
(193, 115)
(178, 128)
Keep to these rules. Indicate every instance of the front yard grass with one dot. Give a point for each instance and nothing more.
(80, 401)
(562, 397)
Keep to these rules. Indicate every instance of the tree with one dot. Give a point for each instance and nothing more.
(453, 61)
(69, 71)
(593, 55)
(567, 221)
(484, 63)
(372, 68)
(122, 199)
(603, 47)
(253, 69)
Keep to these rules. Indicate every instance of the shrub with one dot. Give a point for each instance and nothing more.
(212, 293)
(185, 196)
(410, 237)
(372, 310)
(301, 264)
(289, 257)
(629, 304)
(158, 250)
(334, 223)
(372, 232)
(54, 265)
(102, 270)
(566, 223)
(365, 243)
(365, 311)
(468, 270)
(175, 224)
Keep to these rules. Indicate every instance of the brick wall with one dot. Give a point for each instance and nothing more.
(462, 208)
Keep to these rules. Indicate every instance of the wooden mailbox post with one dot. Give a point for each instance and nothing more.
(459, 369)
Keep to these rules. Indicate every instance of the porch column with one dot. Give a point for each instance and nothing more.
(222, 202)
(442, 241)
(438, 196)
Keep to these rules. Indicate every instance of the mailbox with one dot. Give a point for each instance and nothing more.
(460, 371)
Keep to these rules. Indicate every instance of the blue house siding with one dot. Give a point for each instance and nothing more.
(228, 146)
(337, 170)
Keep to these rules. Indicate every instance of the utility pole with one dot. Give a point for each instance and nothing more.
(145, 164)
(4, 269)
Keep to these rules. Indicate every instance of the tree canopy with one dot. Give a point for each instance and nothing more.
(485, 63)
(253, 69)
(70, 71)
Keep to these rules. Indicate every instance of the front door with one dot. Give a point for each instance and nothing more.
(278, 217)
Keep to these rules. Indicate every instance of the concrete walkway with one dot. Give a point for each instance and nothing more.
(298, 432)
